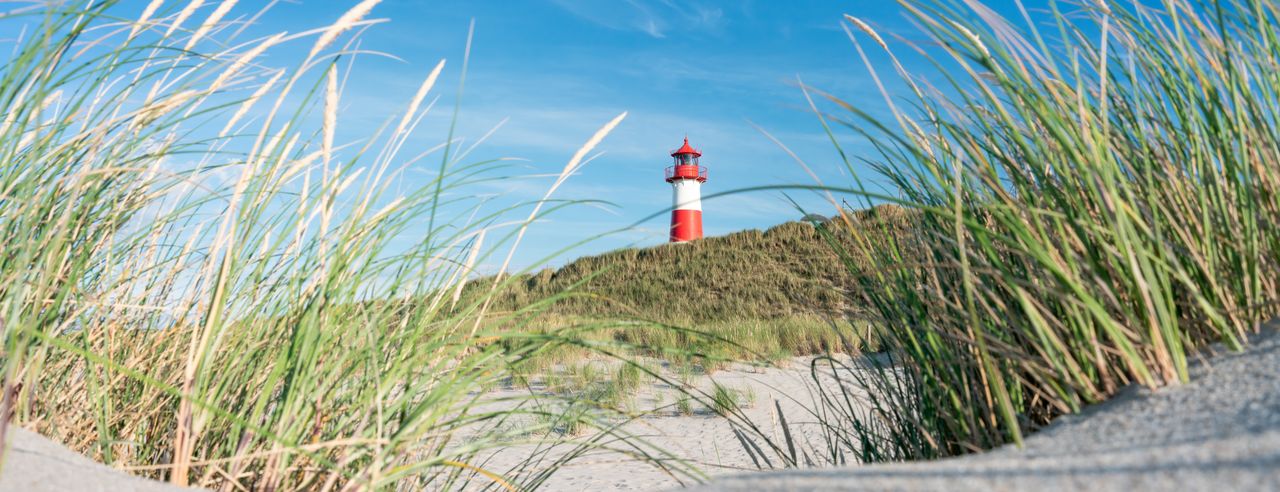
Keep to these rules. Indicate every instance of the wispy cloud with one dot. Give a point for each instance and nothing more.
(653, 17)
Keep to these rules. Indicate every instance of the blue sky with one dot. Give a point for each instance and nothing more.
(556, 70)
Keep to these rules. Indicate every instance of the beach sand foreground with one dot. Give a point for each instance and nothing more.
(1219, 432)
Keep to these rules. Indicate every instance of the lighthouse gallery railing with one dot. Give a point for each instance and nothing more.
(687, 172)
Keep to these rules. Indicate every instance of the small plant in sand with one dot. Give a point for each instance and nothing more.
(683, 403)
(630, 375)
(726, 400)
(571, 418)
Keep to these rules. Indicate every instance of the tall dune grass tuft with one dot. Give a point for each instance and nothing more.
(1096, 189)
(203, 280)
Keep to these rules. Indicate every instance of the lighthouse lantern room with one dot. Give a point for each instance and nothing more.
(686, 178)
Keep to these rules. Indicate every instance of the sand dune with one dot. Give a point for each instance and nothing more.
(1219, 432)
(33, 463)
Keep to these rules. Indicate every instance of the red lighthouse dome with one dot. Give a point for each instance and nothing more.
(686, 149)
(686, 177)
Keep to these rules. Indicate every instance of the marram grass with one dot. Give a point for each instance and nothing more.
(191, 246)
(1097, 189)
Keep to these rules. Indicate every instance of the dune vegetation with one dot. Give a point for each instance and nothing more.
(191, 243)
(784, 271)
(201, 282)
(1096, 187)
(747, 296)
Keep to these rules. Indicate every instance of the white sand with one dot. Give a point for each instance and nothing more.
(33, 463)
(704, 439)
(1219, 432)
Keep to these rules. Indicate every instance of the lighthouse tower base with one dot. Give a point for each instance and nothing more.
(686, 216)
(686, 225)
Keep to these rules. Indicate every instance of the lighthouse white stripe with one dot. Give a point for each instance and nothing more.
(687, 194)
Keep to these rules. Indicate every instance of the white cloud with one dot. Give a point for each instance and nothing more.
(655, 18)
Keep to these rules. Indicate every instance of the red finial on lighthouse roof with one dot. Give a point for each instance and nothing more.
(686, 149)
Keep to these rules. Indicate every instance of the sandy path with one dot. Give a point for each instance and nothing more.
(703, 439)
(1219, 432)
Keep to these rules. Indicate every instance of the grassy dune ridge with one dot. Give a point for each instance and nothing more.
(775, 293)
(785, 270)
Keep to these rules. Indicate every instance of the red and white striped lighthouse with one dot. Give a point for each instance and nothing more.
(686, 178)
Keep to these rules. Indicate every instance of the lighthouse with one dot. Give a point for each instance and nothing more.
(686, 177)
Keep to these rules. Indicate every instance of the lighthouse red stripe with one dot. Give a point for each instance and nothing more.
(686, 225)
